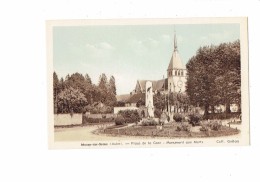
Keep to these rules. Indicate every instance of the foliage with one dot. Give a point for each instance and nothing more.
(204, 128)
(112, 85)
(149, 122)
(157, 113)
(216, 126)
(115, 126)
(71, 100)
(120, 120)
(104, 92)
(178, 117)
(195, 118)
(120, 104)
(222, 115)
(183, 127)
(86, 120)
(130, 116)
(140, 102)
(178, 100)
(213, 76)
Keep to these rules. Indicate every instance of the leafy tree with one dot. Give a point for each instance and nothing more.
(103, 82)
(88, 79)
(55, 90)
(213, 76)
(71, 99)
(112, 85)
(77, 91)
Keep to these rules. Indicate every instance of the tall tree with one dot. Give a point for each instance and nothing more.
(88, 79)
(55, 90)
(102, 82)
(112, 85)
(71, 100)
(213, 76)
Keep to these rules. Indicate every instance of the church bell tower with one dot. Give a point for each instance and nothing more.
(176, 72)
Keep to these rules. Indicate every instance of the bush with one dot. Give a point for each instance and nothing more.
(149, 122)
(86, 120)
(183, 127)
(130, 116)
(204, 128)
(215, 126)
(120, 121)
(222, 115)
(178, 117)
(157, 113)
(195, 119)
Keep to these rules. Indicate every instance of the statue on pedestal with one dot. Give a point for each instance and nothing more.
(149, 99)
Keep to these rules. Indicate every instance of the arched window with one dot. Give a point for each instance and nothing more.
(176, 73)
(181, 73)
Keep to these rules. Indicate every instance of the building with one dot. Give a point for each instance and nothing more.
(176, 72)
(176, 76)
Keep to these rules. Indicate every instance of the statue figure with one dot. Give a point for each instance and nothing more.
(149, 99)
(150, 110)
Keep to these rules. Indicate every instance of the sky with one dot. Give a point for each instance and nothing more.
(131, 52)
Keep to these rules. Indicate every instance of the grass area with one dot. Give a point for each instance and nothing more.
(168, 131)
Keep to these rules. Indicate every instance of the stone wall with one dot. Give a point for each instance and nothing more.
(67, 119)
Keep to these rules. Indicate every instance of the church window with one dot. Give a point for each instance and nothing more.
(181, 73)
(176, 73)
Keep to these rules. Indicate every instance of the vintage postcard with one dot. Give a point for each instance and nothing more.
(148, 83)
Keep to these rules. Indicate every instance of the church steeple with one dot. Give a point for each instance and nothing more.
(175, 42)
(176, 72)
(175, 62)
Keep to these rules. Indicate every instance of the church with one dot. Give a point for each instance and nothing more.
(174, 83)
(176, 77)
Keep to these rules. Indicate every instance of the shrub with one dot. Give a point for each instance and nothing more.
(215, 126)
(195, 119)
(204, 128)
(222, 115)
(114, 126)
(86, 120)
(130, 116)
(178, 117)
(149, 122)
(183, 127)
(178, 128)
(120, 121)
(157, 113)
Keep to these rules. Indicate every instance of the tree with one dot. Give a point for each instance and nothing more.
(88, 79)
(102, 84)
(112, 85)
(55, 90)
(213, 76)
(228, 83)
(71, 100)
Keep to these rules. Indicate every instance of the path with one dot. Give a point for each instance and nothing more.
(84, 134)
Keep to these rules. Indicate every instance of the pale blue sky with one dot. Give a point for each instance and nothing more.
(131, 52)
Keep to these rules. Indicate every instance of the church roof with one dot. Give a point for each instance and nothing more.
(175, 62)
(136, 97)
(123, 97)
(157, 84)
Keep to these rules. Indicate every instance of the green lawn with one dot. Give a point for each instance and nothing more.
(169, 131)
